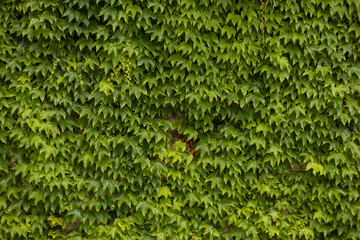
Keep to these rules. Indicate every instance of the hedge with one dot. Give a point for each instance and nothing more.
(179, 119)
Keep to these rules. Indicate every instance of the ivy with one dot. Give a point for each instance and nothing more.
(179, 119)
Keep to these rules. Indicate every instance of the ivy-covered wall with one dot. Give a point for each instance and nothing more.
(179, 119)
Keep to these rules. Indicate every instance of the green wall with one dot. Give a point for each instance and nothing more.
(164, 119)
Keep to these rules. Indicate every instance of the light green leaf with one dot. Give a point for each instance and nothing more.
(164, 191)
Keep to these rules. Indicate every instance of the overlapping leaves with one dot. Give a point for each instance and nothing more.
(179, 119)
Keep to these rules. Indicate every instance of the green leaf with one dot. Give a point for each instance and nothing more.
(307, 233)
(137, 90)
(180, 145)
(106, 87)
(48, 151)
(316, 167)
(3, 204)
(258, 141)
(265, 128)
(164, 191)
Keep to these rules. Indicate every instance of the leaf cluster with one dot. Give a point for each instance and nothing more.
(179, 119)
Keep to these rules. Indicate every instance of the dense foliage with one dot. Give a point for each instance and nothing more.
(179, 119)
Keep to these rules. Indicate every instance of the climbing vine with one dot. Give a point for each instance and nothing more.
(179, 119)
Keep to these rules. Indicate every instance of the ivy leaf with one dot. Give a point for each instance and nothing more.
(137, 90)
(284, 63)
(106, 87)
(316, 167)
(259, 142)
(164, 191)
(76, 215)
(265, 128)
(3, 204)
(180, 145)
(48, 150)
(307, 233)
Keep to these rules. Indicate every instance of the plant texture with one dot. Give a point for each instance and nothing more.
(179, 119)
